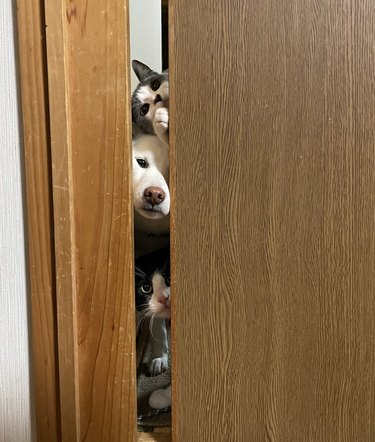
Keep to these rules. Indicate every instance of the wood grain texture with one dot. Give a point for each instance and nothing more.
(33, 79)
(274, 227)
(88, 58)
(161, 434)
(64, 222)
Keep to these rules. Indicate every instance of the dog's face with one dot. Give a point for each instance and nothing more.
(151, 196)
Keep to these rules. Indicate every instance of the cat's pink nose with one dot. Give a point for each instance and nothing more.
(163, 299)
(154, 195)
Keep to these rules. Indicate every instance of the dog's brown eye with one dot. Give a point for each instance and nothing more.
(155, 85)
(143, 163)
(146, 289)
(144, 109)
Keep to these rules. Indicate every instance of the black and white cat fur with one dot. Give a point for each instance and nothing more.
(152, 285)
(153, 303)
(150, 102)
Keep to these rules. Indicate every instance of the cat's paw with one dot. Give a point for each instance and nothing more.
(161, 119)
(161, 398)
(158, 365)
(161, 124)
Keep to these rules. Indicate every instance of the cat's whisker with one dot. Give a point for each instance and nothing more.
(143, 317)
(151, 326)
(142, 320)
(143, 305)
(139, 272)
(140, 324)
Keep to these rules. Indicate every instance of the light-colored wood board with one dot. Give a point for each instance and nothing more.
(64, 222)
(273, 220)
(91, 152)
(173, 208)
(162, 434)
(33, 78)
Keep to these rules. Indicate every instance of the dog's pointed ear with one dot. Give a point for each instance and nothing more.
(141, 70)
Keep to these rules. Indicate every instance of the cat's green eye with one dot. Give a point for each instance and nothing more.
(167, 282)
(144, 109)
(146, 288)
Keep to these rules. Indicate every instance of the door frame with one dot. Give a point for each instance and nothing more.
(50, 32)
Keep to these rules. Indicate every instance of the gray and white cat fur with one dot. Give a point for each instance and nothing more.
(150, 101)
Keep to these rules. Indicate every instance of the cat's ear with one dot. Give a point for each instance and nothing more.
(141, 70)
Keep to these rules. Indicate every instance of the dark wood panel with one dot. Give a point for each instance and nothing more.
(88, 67)
(272, 139)
(33, 78)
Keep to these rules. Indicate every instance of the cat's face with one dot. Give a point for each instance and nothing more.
(152, 284)
(151, 93)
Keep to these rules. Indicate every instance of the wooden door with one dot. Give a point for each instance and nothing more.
(273, 131)
(76, 107)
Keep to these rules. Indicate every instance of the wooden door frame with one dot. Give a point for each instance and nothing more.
(48, 32)
(40, 227)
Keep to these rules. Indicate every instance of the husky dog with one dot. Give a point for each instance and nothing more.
(151, 196)
(152, 290)
(150, 102)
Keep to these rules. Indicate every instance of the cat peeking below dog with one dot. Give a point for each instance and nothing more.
(153, 303)
(152, 286)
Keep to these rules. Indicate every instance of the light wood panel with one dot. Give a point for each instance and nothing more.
(33, 77)
(88, 59)
(162, 434)
(272, 138)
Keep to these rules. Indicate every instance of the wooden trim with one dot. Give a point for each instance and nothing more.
(173, 184)
(88, 74)
(64, 217)
(162, 434)
(39, 217)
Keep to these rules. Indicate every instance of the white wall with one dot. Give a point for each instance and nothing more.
(145, 34)
(15, 415)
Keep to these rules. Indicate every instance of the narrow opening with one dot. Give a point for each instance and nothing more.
(151, 197)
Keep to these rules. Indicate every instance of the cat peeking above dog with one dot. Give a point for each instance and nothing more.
(151, 199)
(150, 102)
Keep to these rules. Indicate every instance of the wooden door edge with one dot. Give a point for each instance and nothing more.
(63, 219)
(39, 218)
(172, 181)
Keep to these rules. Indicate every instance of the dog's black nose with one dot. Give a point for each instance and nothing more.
(157, 99)
(154, 195)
